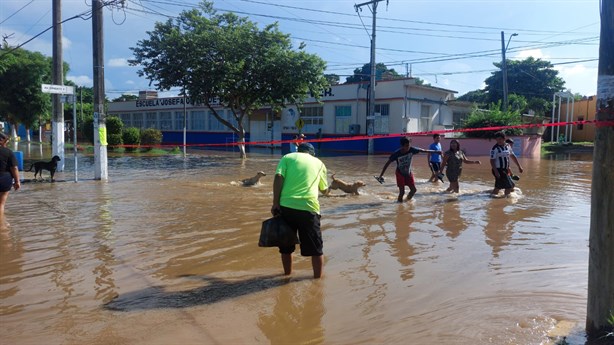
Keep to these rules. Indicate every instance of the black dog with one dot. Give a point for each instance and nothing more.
(40, 166)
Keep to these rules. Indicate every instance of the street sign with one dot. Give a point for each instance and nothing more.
(58, 89)
(299, 123)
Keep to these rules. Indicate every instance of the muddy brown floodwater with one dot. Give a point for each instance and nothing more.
(166, 252)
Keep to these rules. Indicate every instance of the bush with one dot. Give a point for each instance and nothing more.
(493, 117)
(151, 136)
(87, 129)
(114, 125)
(114, 130)
(131, 136)
(114, 139)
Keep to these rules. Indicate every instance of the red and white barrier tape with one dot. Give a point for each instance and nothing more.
(597, 123)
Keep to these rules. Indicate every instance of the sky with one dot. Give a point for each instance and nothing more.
(450, 44)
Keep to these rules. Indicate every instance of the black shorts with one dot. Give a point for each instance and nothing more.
(6, 182)
(308, 226)
(504, 181)
(435, 167)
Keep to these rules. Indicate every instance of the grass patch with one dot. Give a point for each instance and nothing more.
(576, 147)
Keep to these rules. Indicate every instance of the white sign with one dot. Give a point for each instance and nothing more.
(59, 89)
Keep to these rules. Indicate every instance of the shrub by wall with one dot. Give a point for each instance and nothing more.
(151, 136)
(131, 136)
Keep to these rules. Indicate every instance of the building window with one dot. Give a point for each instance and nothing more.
(313, 118)
(580, 126)
(137, 120)
(179, 120)
(459, 118)
(166, 120)
(126, 120)
(425, 117)
(343, 119)
(198, 120)
(214, 123)
(380, 125)
(151, 120)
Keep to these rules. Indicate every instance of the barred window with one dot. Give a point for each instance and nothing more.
(166, 120)
(151, 120)
(137, 120)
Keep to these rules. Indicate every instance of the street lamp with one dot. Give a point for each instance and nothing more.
(504, 66)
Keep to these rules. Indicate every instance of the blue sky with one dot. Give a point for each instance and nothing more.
(450, 44)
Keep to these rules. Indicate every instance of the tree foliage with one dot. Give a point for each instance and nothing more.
(333, 79)
(382, 72)
(493, 117)
(531, 78)
(126, 97)
(228, 59)
(21, 74)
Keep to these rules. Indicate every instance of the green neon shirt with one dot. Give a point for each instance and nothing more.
(304, 175)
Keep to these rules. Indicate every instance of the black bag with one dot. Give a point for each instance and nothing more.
(275, 232)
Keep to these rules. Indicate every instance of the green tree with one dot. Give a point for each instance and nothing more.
(381, 73)
(493, 117)
(476, 96)
(21, 74)
(225, 59)
(114, 130)
(126, 97)
(151, 136)
(531, 78)
(131, 136)
(333, 79)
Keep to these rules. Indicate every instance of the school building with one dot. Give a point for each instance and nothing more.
(401, 106)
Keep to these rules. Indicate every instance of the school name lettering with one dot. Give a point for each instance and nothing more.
(325, 93)
(168, 102)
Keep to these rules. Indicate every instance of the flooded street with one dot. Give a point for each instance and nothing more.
(166, 252)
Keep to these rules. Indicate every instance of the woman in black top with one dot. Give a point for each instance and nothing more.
(9, 175)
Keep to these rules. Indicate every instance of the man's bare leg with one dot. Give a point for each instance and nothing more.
(286, 261)
(317, 262)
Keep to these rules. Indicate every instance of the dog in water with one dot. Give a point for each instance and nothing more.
(52, 165)
(253, 180)
(350, 188)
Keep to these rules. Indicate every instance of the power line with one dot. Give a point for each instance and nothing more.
(19, 10)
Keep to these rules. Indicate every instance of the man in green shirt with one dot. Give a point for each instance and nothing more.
(298, 178)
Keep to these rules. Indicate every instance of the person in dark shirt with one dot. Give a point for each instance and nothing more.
(9, 176)
(403, 156)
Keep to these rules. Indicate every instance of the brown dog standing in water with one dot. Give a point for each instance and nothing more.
(253, 180)
(346, 187)
(52, 165)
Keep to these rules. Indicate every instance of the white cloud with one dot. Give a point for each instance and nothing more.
(579, 78)
(536, 53)
(130, 82)
(119, 62)
(66, 43)
(81, 80)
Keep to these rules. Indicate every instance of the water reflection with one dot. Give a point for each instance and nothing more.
(401, 246)
(451, 220)
(165, 234)
(297, 315)
(104, 241)
(11, 270)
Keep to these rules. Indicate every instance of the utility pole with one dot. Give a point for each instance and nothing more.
(371, 114)
(600, 306)
(100, 127)
(57, 125)
(504, 66)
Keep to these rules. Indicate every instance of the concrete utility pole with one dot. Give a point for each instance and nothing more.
(100, 127)
(371, 114)
(504, 66)
(601, 241)
(57, 125)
